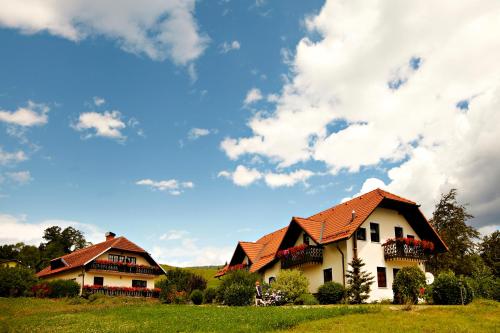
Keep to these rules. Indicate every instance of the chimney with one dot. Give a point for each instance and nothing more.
(353, 215)
(110, 235)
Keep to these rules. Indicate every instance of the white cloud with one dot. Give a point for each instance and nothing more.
(156, 28)
(394, 82)
(274, 180)
(173, 186)
(107, 124)
(242, 176)
(20, 177)
(34, 114)
(196, 133)
(185, 251)
(18, 229)
(253, 95)
(98, 101)
(12, 157)
(227, 47)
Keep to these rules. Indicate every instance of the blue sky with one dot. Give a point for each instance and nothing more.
(237, 120)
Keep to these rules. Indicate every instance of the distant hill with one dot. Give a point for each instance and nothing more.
(207, 272)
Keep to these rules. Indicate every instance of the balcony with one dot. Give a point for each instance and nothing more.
(122, 267)
(300, 255)
(121, 291)
(407, 249)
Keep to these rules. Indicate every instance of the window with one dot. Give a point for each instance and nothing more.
(410, 236)
(374, 232)
(131, 260)
(306, 239)
(398, 232)
(271, 279)
(139, 283)
(327, 275)
(98, 281)
(381, 278)
(394, 273)
(361, 234)
(116, 257)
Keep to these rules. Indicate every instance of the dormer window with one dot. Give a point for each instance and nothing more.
(56, 263)
(306, 239)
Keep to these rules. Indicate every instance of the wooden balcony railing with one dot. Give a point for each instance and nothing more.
(407, 249)
(121, 291)
(296, 257)
(124, 267)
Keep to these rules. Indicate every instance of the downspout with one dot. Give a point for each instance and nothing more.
(343, 264)
(83, 280)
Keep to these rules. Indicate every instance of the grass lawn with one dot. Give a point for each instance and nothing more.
(137, 315)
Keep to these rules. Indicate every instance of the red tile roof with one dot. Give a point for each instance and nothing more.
(81, 257)
(328, 226)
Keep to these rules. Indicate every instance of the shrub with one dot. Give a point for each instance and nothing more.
(238, 295)
(16, 281)
(196, 297)
(448, 289)
(484, 285)
(239, 277)
(407, 285)
(330, 293)
(292, 282)
(180, 278)
(209, 295)
(63, 288)
(306, 299)
(196, 282)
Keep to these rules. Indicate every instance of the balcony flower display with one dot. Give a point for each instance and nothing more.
(122, 291)
(237, 267)
(427, 246)
(291, 251)
(123, 266)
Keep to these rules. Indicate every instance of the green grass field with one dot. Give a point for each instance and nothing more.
(138, 315)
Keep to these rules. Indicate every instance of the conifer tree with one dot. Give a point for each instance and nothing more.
(359, 282)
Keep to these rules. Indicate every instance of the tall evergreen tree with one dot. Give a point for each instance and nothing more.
(359, 282)
(449, 219)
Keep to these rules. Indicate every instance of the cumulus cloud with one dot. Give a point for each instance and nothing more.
(7, 158)
(18, 229)
(253, 95)
(34, 114)
(393, 82)
(196, 133)
(227, 47)
(98, 101)
(20, 177)
(107, 124)
(172, 186)
(243, 176)
(156, 28)
(183, 250)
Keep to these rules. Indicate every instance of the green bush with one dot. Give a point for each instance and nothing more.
(185, 280)
(291, 282)
(63, 288)
(209, 295)
(449, 289)
(330, 293)
(239, 277)
(407, 284)
(306, 299)
(196, 297)
(238, 295)
(485, 286)
(16, 281)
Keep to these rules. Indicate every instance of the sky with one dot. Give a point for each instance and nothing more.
(189, 125)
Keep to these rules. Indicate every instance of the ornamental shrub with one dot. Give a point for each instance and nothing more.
(196, 281)
(306, 299)
(330, 293)
(449, 289)
(196, 297)
(238, 295)
(63, 288)
(407, 285)
(16, 281)
(209, 295)
(291, 282)
(240, 277)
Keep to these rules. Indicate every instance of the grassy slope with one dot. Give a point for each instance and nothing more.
(139, 315)
(41, 315)
(207, 272)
